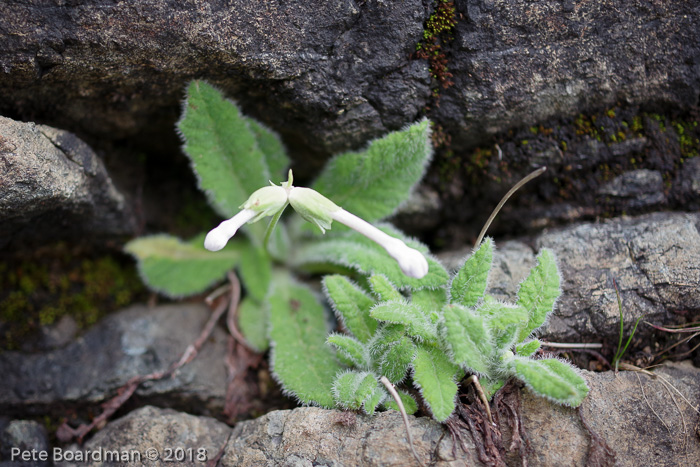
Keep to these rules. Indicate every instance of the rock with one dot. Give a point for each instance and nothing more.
(616, 410)
(26, 436)
(653, 259)
(644, 188)
(175, 437)
(312, 436)
(515, 66)
(135, 341)
(329, 75)
(621, 410)
(54, 186)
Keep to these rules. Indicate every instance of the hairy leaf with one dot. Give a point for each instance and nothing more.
(383, 288)
(301, 362)
(351, 306)
(354, 251)
(256, 272)
(469, 284)
(354, 390)
(352, 349)
(505, 322)
(553, 379)
(430, 300)
(539, 291)
(527, 348)
(409, 403)
(407, 314)
(178, 269)
(373, 183)
(386, 335)
(271, 146)
(467, 338)
(224, 152)
(396, 359)
(253, 322)
(434, 375)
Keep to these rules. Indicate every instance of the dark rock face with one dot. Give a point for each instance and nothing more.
(516, 64)
(55, 186)
(24, 436)
(330, 75)
(136, 341)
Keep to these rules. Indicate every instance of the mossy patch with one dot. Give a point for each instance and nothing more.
(59, 281)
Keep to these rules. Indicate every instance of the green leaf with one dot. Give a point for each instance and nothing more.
(400, 312)
(505, 322)
(256, 272)
(396, 359)
(409, 403)
(178, 269)
(551, 378)
(468, 339)
(224, 152)
(430, 300)
(301, 362)
(352, 350)
(271, 146)
(371, 184)
(528, 348)
(253, 322)
(354, 390)
(383, 288)
(434, 375)
(539, 291)
(355, 251)
(386, 335)
(469, 284)
(351, 306)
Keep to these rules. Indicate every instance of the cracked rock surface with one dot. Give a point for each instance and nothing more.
(631, 413)
(136, 341)
(653, 258)
(330, 75)
(55, 186)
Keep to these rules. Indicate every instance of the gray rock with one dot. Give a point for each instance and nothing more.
(331, 74)
(632, 413)
(645, 188)
(312, 436)
(136, 341)
(653, 259)
(177, 438)
(27, 437)
(54, 186)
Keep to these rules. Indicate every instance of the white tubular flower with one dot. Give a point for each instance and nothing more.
(411, 261)
(217, 238)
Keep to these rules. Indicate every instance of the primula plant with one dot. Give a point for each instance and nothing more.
(404, 319)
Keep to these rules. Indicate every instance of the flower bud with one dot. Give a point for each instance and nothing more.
(313, 207)
(266, 201)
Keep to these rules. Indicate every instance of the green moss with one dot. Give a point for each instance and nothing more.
(439, 29)
(40, 290)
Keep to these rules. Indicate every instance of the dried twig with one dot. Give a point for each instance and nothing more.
(395, 395)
